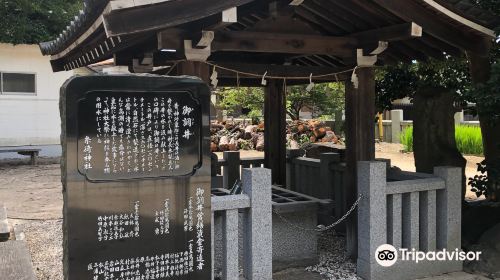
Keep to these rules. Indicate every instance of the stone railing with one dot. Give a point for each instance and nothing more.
(256, 206)
(409, 211)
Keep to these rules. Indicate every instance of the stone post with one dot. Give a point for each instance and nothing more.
(4, 224)
(257, 247)
(449, 206)
(459, 117)
(230, 244)
(372, 209)
(396, 118)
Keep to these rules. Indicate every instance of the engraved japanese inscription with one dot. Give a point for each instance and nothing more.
(136, 178)
(133, 134)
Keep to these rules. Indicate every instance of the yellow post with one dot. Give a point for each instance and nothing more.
(381, 126)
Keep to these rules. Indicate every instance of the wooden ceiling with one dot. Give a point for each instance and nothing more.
(317, 36)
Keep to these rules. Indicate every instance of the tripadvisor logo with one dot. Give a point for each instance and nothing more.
(386, 255)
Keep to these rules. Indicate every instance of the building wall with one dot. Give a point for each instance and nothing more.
(30, 119)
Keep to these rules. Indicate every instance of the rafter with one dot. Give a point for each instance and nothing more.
(410, 10)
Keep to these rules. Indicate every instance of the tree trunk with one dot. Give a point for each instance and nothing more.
(434, 132)
(480, 69)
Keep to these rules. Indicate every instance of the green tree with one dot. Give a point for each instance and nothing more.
(34, 21)
(235, 100)
(403, 80)
(322, 99)
(434, 86)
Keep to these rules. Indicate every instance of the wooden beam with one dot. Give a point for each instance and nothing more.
(411, 11)
(332, 16)
(318, 22)
(194, 68)
(360, 139)
(283, 43)
(391, 33)
(281, 70)
(275, 130)
(266, 42)
(164, 15)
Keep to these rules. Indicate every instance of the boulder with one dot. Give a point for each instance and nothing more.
(489, 261)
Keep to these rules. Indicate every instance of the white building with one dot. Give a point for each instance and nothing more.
(29, 97)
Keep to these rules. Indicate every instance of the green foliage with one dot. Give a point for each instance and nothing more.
(487, 96)
(404, 80)
(468, 138)
(406, 138)
(34, 21)
(323, 99)
(250, 99)
(485, 183)
(394, 82)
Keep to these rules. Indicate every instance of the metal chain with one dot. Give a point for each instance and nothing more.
(321, 228)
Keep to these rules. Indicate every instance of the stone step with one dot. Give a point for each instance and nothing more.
(4, 224)
(15, 261)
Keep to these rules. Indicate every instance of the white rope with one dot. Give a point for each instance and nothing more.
(266, 76)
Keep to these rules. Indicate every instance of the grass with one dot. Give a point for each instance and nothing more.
(406, 138)
(468, 138)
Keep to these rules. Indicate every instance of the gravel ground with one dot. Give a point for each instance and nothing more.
(333, 261)
(44, 240)
(34, 192)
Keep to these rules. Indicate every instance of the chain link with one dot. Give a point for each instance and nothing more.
(321, 228)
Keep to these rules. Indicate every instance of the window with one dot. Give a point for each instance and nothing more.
(17, 83)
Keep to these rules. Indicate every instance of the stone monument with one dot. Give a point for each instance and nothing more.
(136, 177)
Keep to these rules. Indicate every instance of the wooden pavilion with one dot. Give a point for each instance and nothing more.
(274, 43)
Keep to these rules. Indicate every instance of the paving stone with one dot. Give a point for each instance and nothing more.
(296, 274)
(456, 276)
(15, 261)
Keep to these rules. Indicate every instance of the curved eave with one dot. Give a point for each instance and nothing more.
(470, 11)
(452, 15)
(92, 10)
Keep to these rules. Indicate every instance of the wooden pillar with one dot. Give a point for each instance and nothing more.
(275, 130)
(194, 68)
(360, 141)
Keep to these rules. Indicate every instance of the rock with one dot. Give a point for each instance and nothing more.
(213, 147)
(489, 261)
(259, 145)
(319, 132)
(294, 144)
(330, 137)
(249, 130)
(222, 133)
(232, 146)
(224, 143)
